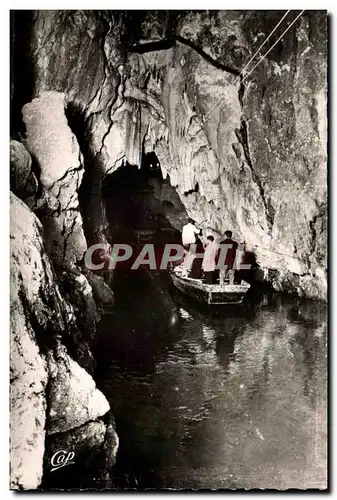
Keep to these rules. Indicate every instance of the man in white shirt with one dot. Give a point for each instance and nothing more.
(189, 243)
(189, 232)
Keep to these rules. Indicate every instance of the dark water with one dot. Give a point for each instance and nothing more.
(215, 399)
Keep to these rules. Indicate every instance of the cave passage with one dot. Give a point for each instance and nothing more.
(141, 206)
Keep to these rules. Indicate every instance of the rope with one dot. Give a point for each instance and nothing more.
(250, 60)
(256, 65)
(280, 253)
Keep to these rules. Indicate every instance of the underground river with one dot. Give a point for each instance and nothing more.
(214, 399)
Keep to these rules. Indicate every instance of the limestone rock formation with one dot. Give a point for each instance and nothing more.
(40, 316)
(55, 148)
(82, 316)
(30, 280)
(73, 396)
(94, 446)
(22, 180)
(254, 162)
(102, 292)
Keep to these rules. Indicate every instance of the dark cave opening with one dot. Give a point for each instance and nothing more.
(140, 205)
(90, 189)
(22, 72)
(133, 205)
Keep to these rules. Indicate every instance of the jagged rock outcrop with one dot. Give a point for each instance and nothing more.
(256, 163)
(28, 370)
(102, 292)
(22, 180)
(82, 316)
(94, 445)
(73, 396)
(55, 148)
(45, 380)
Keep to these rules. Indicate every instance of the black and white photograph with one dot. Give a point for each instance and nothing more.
(168, 203)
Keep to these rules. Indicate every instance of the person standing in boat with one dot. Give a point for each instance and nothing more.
(189, 232)
(231, 245)
(209, 260)
(189, 242)
(197, 260)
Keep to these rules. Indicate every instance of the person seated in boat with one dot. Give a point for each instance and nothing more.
(228, 273)
(209, 260)
(189, 233)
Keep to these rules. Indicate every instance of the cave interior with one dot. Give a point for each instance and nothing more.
(141, 206)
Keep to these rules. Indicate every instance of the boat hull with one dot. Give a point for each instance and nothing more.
(210, 294)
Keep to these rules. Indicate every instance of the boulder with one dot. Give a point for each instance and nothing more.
(103, 294)
(30, 270)
(73, 398)
(50, 392)
(22, 180)
(94, 446)
(82, 314)
(21, 163)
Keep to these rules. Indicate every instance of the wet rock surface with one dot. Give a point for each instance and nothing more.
(73, 397)
(82, 316)
(22, 180)
(47, 386)
(101, 290)
(94, 446)
(55, 148)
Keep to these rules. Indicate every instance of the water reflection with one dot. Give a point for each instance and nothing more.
(216, 401)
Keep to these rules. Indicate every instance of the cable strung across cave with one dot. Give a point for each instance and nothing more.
(258, 50)
(223, 99)
(279, 253)
(250, 60)
(271, 48)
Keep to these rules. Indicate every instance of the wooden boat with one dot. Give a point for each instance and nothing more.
(215, 294)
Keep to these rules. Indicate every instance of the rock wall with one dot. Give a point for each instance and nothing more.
(256, 163)
(28, 373)
(51, 142)
(50, 392)
(248, 156)
(22, 179)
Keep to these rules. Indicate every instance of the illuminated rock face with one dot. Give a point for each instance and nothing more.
(255, 162)
(50, 392)
(55, 148)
